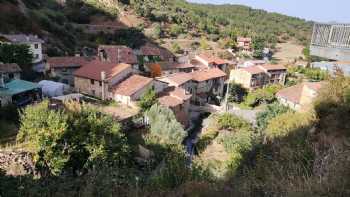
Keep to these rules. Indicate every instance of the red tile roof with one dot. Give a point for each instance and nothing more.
(181, 65)
(177, 78)
(211, 59)
(119, 54)
(204, 75)
(270, 67)
(170, 101)
(132, 85)
(67, 62)
(294, 93)
(253, 70)
(93, 69)
(243, 39)
(173, 97)
(9, 68)
(149, 50)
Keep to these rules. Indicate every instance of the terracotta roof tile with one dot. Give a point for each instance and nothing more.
(67, 62)
(118, 54)
(181, 65)
(93, 69)
(149, 50)
(294, 93)
(170, 101)
(204, 75)
(131, 85)
(177, 78)
(253, 70)
(273, 67)
(9, 68)
(211, 59)
(244, 39)
(173, 97)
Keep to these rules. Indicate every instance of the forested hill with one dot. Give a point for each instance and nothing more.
(225, 19)
(59, 22)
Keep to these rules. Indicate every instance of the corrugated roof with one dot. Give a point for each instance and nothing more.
(17, 86)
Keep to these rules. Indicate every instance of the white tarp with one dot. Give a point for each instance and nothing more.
(52, 89)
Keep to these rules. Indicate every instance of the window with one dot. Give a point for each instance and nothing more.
(36, 46)
(100, 83)
(11, 75)
(93, 92)
(92, 82)
(36, 56)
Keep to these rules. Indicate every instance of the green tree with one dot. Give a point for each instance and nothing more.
(236, 93)
(164, 125)
(176, 30)
(258, 47)
(148, 99)
(157, 31)
(232, 122)
(203, 44)
(175, 47)
(19, 54)
(71, 140)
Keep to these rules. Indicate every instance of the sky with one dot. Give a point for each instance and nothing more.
(316, 10)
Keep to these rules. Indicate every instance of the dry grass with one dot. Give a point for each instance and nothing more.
(288, 52)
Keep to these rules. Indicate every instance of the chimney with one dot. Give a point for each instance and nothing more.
(2, 83)
(103, 78)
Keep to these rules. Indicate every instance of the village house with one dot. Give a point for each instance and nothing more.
(97, 78)
(149, 53)
(208, 85)
(129, 91)
(244, 44)
(251, 63)
(119, 54)
(205, 61)
(32, 41)
(178, 100)
(204, 85)
(9, 72)
(299, 97)
(260, 76)
(167, 68)
(64, 67)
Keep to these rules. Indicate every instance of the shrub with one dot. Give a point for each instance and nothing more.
(148, 99)
(287, 123)
(176, 30)
(232, 122)
(271, 111)
(164, 125)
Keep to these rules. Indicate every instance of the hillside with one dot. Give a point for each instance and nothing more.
(68, 26)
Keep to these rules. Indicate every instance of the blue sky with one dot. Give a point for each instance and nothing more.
(317, 10)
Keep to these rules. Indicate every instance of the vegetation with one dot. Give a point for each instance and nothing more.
(272, 110)
(227, 21)
(148, 99)
(71, 140)
(263, 95)
(164, 125)
(236, 93)
(314, 74)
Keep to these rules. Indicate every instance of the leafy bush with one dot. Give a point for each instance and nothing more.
(236, 93)
(286, 123)
(262, 95)
(271, 111)
(148, 99)
(232, 122)
(71, 140)
(176, 30)
(164, 125)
